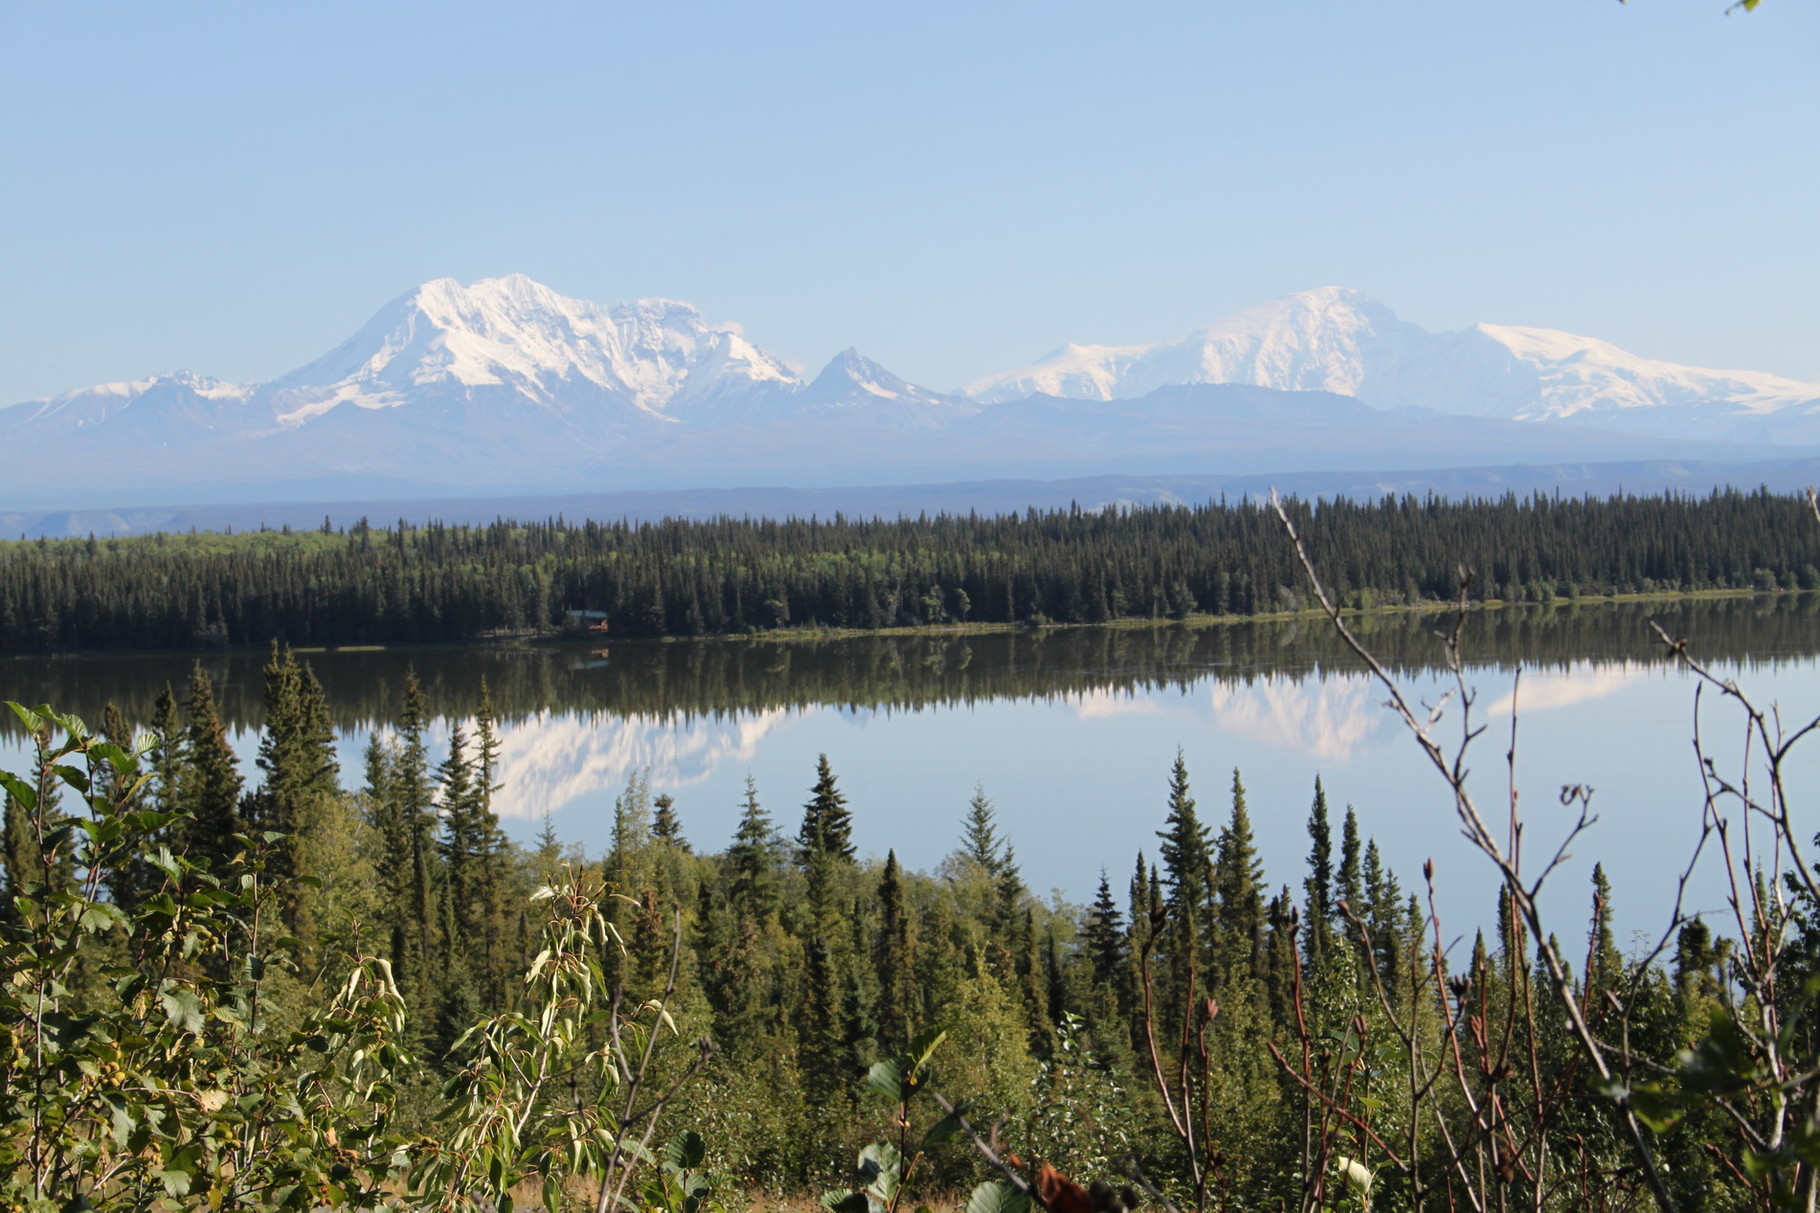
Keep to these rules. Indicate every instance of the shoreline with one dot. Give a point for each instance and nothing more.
(791, 635)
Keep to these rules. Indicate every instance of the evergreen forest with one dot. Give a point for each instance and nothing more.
(370, 585)
(303, 987)
(291, 985)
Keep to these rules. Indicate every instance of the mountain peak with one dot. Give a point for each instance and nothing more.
(853, 387)
(1306, 341)
(505, 380)
(515, 334)
(850, 370)
(1342, 340)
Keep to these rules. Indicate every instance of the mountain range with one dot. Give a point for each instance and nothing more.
(505, 385)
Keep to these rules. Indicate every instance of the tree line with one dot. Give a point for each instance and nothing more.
(910, 671)
(370, 585)
(1224, 1036)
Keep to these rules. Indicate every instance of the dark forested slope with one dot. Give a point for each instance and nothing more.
(371, 585)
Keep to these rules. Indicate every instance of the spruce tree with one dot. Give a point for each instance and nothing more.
(1184, 850)
(1109, 953)
(1106, 944)
(301, 795)
(631, 831)
(825, 1012)
(1696, 962)
(1139, 900)
(1280, 958)
(465, 846)
(980, 840)
(827, 827)
(892, 962)
(1029, 971)
(1383, 915)
(548, 851)
(1239, 879)
(1351, 885)
(1185, 857)
(1009, 892)
(461, 847)
(666, 826)
(1607, 963)
(416, 917)
(209, 782)
(751, 861)
(385, 816)
(486, 748)
(1320, 912)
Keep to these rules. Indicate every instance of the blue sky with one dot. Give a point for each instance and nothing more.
(953, 188)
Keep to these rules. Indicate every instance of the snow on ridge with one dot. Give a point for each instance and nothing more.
(512, 354)
(513, 332)
(91, 406)
(1581, 373)
(1306, 341)
(1340, 340)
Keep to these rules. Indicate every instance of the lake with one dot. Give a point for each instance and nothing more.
(1071, 732)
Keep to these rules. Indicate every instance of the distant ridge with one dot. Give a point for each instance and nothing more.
(891, 501)
(1339, 340)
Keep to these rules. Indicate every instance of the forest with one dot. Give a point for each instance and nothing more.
(301, 987)
(372, 585)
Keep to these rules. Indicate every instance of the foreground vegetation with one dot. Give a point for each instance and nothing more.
(296, 995)
(368, 585)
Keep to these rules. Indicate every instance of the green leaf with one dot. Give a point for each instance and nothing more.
(98, 916)
(183, 1010)
(887, 1078)
(121, 1120)
(924, 1046)
(845, 1200)
(996, 1196)
(176, 1182)
(685, 1151)
(26, 716)
(881, 1168)
(19, 790)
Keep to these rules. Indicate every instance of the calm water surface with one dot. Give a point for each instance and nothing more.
(1072, 732)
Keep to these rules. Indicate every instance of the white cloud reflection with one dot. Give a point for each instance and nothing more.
(1329, 717)
(1541, 690)
(551, 759)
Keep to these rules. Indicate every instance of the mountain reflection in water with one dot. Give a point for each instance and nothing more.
(1071, 730)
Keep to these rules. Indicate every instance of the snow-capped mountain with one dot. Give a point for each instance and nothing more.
(1315, 341)
(501, 382)
(853, 388)
(202, 401)
(514, 338)
(1340, 340)
(505, 385)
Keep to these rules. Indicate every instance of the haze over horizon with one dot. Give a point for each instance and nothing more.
(951, 191)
